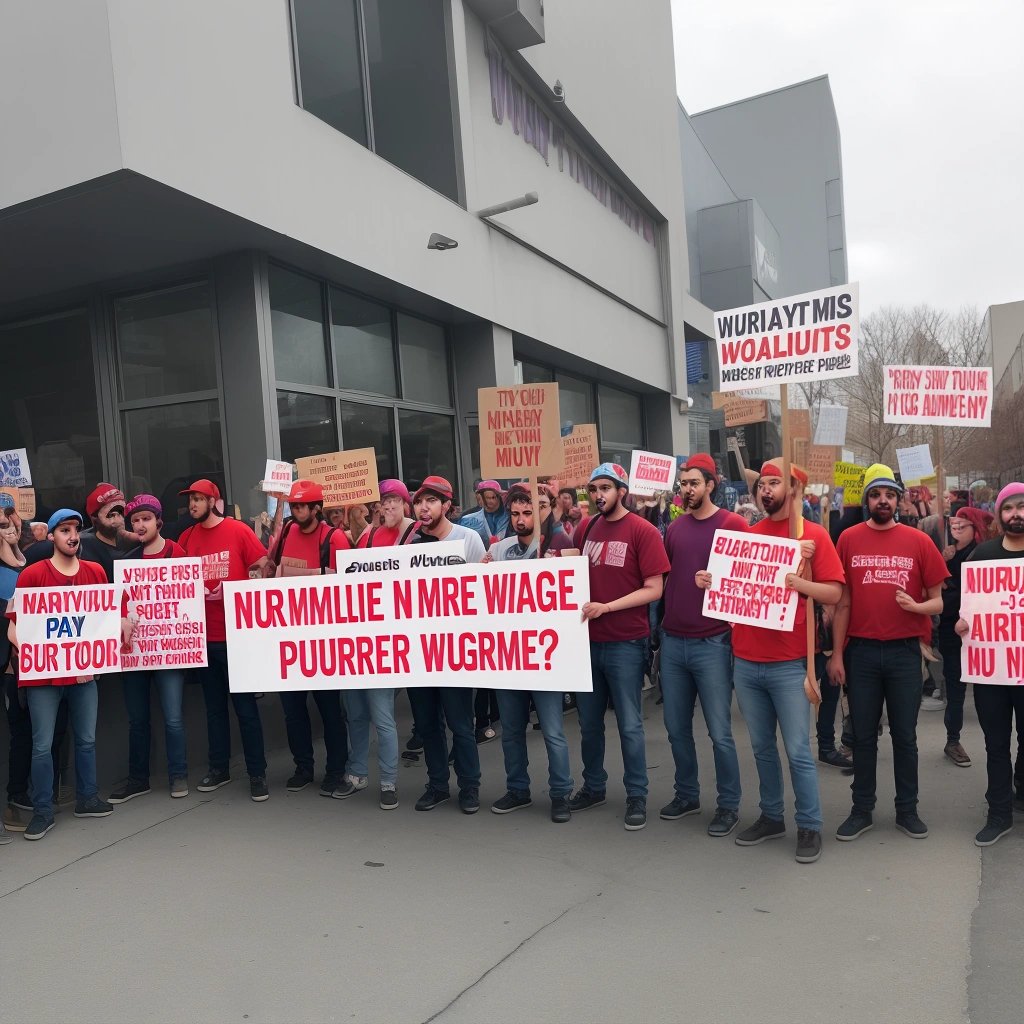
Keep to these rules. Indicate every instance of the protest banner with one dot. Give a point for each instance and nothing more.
(943, 396)
(992, 603)
(402, 556)
(820, 464)
(581, 453)
(748, 580)
(650, 473)
(915, 464)
(849, 478)
(830, 428)
(165, 604)
(348, 478)
(520, 431)
(68, 631)
(814, 336)
(517, 623)
(14, 471)
(277, 477)
(739, 411)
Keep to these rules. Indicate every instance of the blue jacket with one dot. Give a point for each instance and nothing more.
(487, 524)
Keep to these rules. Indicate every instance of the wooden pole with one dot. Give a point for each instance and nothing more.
(940, 479)
(535, 483)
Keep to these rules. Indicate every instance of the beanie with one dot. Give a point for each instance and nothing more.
(1012, 490)
(880, 475)
(703, 462)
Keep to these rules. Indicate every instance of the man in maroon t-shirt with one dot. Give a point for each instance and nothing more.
(627, 566)
(894, 578)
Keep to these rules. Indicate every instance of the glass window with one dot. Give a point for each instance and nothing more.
(364, 353)
(575, 399)
(622, 421)
(296, 319)
(371, 426)
(424, 361)
(530, 373)
(307, 425)
(428, 447)
(166, 343)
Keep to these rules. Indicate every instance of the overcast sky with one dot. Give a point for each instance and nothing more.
(930, 100)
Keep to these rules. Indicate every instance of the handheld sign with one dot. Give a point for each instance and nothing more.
(992, 603)
(739, 411)
(277, 477)
(650, 473)
(14, 471)
(849, 478)
(830, 428)
(402, 556)
(915, 464)
(348, 478)
(581, 454)
(520, 431)
(944, 396)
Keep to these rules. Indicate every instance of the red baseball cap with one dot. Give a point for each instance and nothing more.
(102, 494)
(207, 488)
(435, 485)
(702, 461)
(774, 469)
(306, 492)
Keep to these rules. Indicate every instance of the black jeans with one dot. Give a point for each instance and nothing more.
(827, 710)
(431, 707)
(19, 724)
(889, 671)
(485, 708)
(218, 726)
(996, 706)
(300, 729)
(956, 688)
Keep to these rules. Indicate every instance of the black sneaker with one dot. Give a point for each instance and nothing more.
(258, 791)
(679, 809)
(129, 791)
(298, 782)
(762, 830)
(94, 807)
(38, 827)
(568, 703)
(834, 758)
(388, 798)
(855, 825)
(330, 784)
(911, 825)
(414, 743)
(513, 800)
(469, 800)
(560, 812)
(213, 780)
(808, 845)
(636, 813)
(993, 832)
(585, 799)
(722, 823)
(410, 755)
(22, 801)
(431, 798)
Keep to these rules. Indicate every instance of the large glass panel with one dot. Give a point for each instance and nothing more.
(307, 425)
(296, 319)
(166, 342)
(329, 70)
(530, 373)
(425, 374)
(364, 353)
(49, 407)
(371, 426)
(575, 399)
(622, 420)
(428, 447)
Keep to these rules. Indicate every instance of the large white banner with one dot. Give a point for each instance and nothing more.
(992, 603)
(945, 396)
(514, 625)
(814, 336)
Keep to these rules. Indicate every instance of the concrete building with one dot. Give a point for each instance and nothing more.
(1003, 327)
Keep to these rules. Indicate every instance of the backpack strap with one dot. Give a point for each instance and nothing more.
(410, 533)
(276, 557)
(325, 549)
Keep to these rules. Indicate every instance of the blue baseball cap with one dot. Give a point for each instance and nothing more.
(611, 471)
(62, 515)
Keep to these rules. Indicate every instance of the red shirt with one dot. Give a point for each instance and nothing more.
(877, 564)
(171, 549)
(752, 643)
(301, 552)
(227, 551)
(45, 574)
(384, 536)
(622, 554)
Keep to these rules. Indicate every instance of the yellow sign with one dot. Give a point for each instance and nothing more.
(851, 478)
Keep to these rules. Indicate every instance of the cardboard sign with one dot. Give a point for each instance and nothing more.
(14, 471)
(165, 605)
(814, 336)
(21, 499)
(520, 431)
(992, 603)
(945, 396)
(915, 464)
(820, 464)
(348, 478)
(650, 473)
(381, 561)
(277, 477)
(748, 580)
(831, 426)
(470, 625)
(849, 478)
(740, 411)
(581, 454)
(68, 631)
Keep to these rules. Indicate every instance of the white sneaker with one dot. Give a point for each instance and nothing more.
(932, 704)
(358, 781)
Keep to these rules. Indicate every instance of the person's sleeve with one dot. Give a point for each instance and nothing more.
(826, 565)
(339, 542)
(934, 570)
(652, 558)
(475, 549)
(364, 540)
(253, 549)
(737, 524)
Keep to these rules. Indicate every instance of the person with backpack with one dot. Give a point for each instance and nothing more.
(398, 526)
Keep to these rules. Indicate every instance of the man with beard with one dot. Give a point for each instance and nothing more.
(491, 519)
(627, 568)
(696, 652)
(397, 527)
(228, 549)
(894, 578)
(520, 544)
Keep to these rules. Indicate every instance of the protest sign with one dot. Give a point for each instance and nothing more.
(814, 336)
(277, 477)
(820, 464)
(520, 431)
(14, 471)
(798, 450)
(68, 631)
(348, 478)
(165, 604)
(748, 580)
(992, 603)
(21, 499)
(469, 625)
(915, 464)
(850, 480)
(945, 396)
(650, 473)
(740, 411)
(581, 454)
(831, 426)
(402, 556)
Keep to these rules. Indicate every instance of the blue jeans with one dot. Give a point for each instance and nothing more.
(617, 670)
(514, 706)
(692, 668)
(170, 684)
(378, 706)
(772, 694)
(299, 729)
(218, 726)
(43, 702)
(432, 706)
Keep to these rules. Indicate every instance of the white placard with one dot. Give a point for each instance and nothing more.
(848, 455)
(831, 426)
(945, 396)
(402, 556)
(14, 470)
(992, 602)
(277, 477)
(915, 463)
(650, 473)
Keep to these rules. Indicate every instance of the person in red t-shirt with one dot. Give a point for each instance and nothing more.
(228, 549)
(770, 669)
(627, 568)
(894, 577)
(62, 569)
(398, 527)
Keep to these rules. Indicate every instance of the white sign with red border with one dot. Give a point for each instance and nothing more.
(650, 473)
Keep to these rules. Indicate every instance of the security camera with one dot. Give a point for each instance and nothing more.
(559, 92)
(441, 242)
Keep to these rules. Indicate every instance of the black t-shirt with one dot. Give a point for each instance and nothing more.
(92, 550)
(991, 551)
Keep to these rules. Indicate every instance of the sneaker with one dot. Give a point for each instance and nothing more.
(762, 830)
(636, 813)
(513, 800)
(808, 845)
(94, 807)
(855, 825)
(679, 809)
(993, 831)
(22, 801)
(431, 798)
(179, 787)
(298, 782)
(388, 798)
(258, 791)
(414, 743)
(560, 812)
(213, 780)
(5, 836)
(129, 791)
(568, 703)
(469, 800)
(344, 788)
(410, 755)
(358, 782)
(932, 704)
(485, 735)
(38, 827)
(330, 784)
(835, 758)
(722, 823)
(911, 825)
(15, 820)
(584, 799)
(956, 753)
